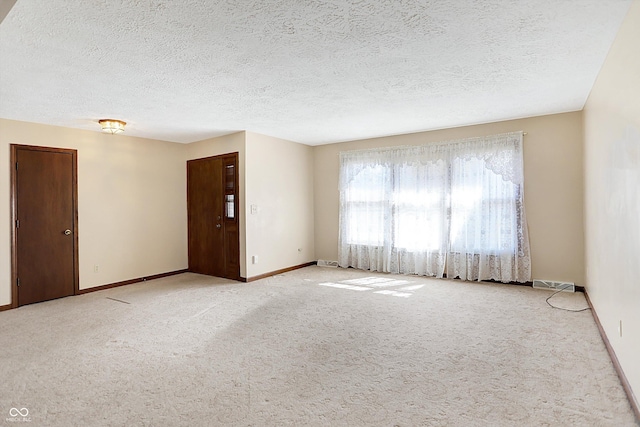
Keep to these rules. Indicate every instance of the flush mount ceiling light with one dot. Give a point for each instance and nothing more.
(112, 126)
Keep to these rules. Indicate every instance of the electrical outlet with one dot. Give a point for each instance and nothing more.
(254, 210)
(254, 259)
(96, 268)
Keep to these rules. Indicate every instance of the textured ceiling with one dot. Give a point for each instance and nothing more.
(315, 72)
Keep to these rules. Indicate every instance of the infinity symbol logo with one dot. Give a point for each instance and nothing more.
(14, 412)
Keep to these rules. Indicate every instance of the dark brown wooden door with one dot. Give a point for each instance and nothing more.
(212, 204)
(45, 250)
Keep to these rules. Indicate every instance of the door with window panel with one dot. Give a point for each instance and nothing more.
(212, 205)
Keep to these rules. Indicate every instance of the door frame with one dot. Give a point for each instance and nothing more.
(13, 215)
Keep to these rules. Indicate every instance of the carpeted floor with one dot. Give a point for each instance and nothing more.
(316, 346)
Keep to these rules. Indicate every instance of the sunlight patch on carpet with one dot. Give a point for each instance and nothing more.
(372, 283)
(341, 286)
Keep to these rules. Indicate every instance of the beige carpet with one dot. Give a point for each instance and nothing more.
(317, 346)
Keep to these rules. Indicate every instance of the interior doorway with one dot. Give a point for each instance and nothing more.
(212, 206)
(44, 215)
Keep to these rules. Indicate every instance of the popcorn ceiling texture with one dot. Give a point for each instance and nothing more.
(308, 71)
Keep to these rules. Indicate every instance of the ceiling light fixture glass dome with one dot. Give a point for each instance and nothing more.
(112, 126)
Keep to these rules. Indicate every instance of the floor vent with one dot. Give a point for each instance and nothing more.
(554, 285)
(325, 263)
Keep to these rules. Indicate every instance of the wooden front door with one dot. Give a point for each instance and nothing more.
(45, 241)
(212, 206)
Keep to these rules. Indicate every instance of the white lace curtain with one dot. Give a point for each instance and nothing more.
(456, 207)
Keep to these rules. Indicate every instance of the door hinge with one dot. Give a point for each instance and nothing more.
(16, 165)
(17, 223)
(18, 281)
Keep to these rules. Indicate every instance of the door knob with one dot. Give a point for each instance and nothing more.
(67, 232)
(218, 225)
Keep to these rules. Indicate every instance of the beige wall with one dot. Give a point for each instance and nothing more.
(612, 196)
(280, 186)
(232, 143)
(129, 223)
(132, 201)
(275, 176)
(553, 188)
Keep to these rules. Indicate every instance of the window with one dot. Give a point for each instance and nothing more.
(483, 214)
(366, 197)
(229, 190)
(418, 209)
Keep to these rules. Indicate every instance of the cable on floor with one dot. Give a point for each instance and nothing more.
(561, 308)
